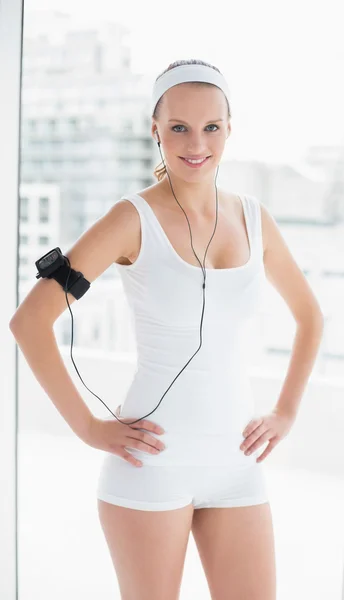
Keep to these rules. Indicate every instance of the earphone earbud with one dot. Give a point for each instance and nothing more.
(156, 136)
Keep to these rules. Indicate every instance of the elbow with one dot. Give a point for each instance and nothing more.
(16, 323)
(13, 324)
(23, 322)
(315, 320)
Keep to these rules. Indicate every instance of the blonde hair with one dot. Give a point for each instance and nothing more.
(160, 173)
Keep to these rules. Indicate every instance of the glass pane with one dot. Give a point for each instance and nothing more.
(87, 142)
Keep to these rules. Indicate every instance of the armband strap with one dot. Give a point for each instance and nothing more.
(77, 283)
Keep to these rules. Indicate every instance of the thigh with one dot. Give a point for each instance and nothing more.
(146, 516)
(147, 549)
(236, 548)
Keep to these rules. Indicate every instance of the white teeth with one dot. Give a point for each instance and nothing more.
(195, 162)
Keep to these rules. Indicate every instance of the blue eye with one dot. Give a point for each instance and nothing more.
(211, 125)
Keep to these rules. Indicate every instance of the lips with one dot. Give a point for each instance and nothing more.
(194, 157)
(195, 165)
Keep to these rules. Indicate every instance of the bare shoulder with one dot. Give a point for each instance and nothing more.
(93, 252)
(270, 230)
(285, 274)
(153, 195)
(131, 227)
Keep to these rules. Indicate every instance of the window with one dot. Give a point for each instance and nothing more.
(43, 210)
(24, 209)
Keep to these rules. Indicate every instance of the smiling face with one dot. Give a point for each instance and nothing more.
(193, 122)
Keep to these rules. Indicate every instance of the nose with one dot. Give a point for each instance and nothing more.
(196, 144)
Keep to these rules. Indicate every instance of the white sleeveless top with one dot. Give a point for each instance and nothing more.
(207, 407)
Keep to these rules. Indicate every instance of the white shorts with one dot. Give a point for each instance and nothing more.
(174, 486)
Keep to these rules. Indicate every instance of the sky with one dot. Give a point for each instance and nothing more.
(282, 62)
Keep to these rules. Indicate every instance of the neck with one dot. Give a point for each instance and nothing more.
(194, 197)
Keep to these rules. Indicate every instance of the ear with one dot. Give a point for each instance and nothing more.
(155, 133)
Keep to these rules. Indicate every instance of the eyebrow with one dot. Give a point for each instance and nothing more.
(214, 121)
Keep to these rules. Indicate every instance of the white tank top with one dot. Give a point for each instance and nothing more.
(207, 407)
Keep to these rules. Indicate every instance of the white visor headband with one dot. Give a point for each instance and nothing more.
(184, 74)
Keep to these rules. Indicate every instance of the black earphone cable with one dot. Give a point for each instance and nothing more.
(201, 323)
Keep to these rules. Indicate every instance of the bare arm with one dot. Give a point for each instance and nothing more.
(289, 281)
(41, 352)
(32, 323)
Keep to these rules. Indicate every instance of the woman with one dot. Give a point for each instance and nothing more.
(197, 464)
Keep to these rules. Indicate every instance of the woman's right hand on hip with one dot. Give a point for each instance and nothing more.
(114, 436)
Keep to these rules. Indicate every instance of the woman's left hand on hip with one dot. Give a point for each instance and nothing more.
(271, 428)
